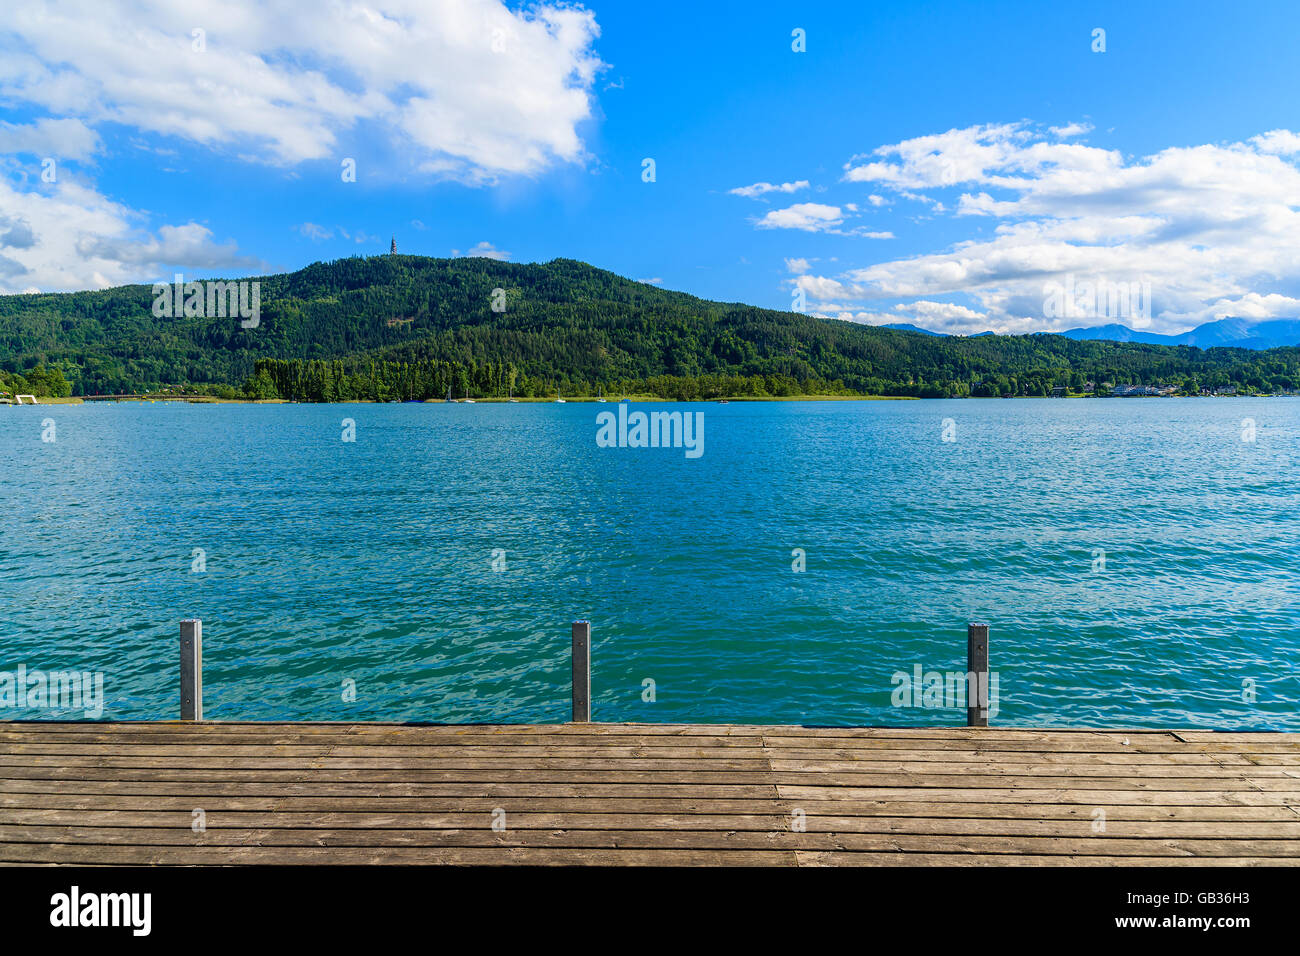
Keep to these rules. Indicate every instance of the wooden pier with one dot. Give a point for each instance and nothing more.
(346, 793)
(211, 793)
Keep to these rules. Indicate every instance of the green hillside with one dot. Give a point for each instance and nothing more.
(393, 327)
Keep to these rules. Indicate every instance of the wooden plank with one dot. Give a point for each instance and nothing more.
(284, 747)
(611, 790)
(524, 819)
(647, 839)
(872, 771)
(1283, 789)
(418, 765)
(615, 788)
(1234, 736)
(633, 771)
(735, 747)
(99, 855)
(937, 735)
(1096, 798)
(833, 858)
(468, 788)
(829, 809)
(957, 738)
(673, 745)
(402, 775)
(596, 763)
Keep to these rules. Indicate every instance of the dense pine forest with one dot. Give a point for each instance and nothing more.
(397, 328)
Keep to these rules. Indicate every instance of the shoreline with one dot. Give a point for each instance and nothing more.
(584, 400)
(587, 400)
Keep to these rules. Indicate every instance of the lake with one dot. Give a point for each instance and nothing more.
(1136, 560)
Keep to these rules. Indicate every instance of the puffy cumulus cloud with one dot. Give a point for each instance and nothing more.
(1256, 306)
(484, 250)
(808, 216)
(942, 159)
(826, 291)
(67, 236)
(818, 217)
(469, 89)
(948, 317)
(761, 189)
(796, 266)
(190, 243)
(939, 316)
(1214, 230)
(1281, 142)
(1071, 129)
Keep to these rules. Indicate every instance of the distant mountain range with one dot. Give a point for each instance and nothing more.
(1237, 333)
(1231, 332)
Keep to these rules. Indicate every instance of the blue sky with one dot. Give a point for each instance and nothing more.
(942, 163)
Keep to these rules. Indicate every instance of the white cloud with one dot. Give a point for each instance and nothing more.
(68, 236)
(484, 250)
(817, 217)
(825, 291)
(808, 216)
(1252, 305)
(1281, 142)
(940, 316)
(797, 266)
(462, 88)
(314, 232)
(759, 189)
(1214, 229)
(1071, 129)
(942, 159)
(655, 281)
(55, 138)
(934, 316)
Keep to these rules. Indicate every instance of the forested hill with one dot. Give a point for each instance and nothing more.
(357, 323)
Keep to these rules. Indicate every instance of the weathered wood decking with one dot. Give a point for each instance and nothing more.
(126, 793)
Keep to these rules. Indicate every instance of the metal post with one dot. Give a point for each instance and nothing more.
(191, 669)
(581, 672)
(977, 675)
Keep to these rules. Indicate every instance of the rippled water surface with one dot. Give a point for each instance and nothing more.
(371, 560)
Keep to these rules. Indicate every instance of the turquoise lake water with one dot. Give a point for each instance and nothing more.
(371, 561)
